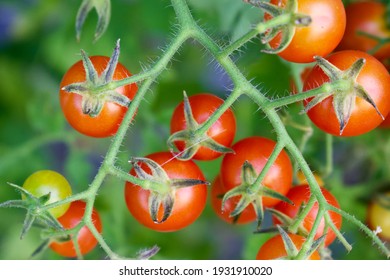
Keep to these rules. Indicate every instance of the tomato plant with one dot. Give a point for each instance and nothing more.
(217, 193)
(374, 79)
(256, 150)
(301, 194)
(320, 37)
(378, 215)
(45, 182)
(367, 17)
(274, 248)
(222, 131)
(85, 239)
(107, 122)
(189, 202)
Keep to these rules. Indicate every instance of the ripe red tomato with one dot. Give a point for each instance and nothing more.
(189, 201)
(301, 194)
(320, 37)
(386, 122)
(203, 106)
(374, 78)
(44, 182)
(108, 121)
(378, 215)
(256, 150)
(274, 248)
(85, 239)
(368, 17)
(217, 192)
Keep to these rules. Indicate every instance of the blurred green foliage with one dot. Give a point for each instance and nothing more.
(37, 46)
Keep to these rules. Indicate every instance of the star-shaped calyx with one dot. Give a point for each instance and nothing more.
(289, 18)
(162, 188)
(96, 89)
(344, 98)
(250, 194)
(192, 138)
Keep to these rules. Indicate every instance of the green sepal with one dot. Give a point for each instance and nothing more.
(316, 244)
(103, 10)
(289, 245)
(157, 200)
(146, 254)
(42, 247)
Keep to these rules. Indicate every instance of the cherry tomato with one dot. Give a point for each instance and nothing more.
(374, 78)
(301, 194)
(368, 17)
(108, 121)
(217, 192)
(46, 181)
(378, 215)
(85, 239)
(189, 201)
(386, 122)
(256, 150)
(320, 37)
(203, 106)
(301, 179)
(274, 248)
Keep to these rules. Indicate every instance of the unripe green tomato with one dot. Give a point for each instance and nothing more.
(46, 181)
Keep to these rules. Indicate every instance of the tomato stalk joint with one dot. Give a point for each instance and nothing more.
(97, 89)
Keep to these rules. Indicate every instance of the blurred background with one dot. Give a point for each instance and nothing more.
(38, 45)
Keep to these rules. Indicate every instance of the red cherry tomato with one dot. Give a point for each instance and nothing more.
(189, 201)
(374, 78)
(203, 106)
(217, 192)
(301, 194)
(320, 37)
(368, 17)
(108, 121)
(274, 248)
(256, 150)
(85, 239)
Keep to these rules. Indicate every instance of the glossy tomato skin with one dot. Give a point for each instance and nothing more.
(86, 240)
(189, 201)
(107, 122)
(203, 106)
(301, 194)
(378, 215)
(256, 150)
(374, 78)
(368, 17)
(274, 248)
(321, 37)
(44, 182)
(217, 192)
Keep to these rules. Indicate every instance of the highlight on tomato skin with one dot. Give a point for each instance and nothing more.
(274, 248)
(217, 192)
(373, 77)
(106, 124)
(320, 37)
(189, 201)
(301, 194)
(87, 242)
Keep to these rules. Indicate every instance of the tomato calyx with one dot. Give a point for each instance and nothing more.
(192, 138)
(103, 10)
(344, 97)
(251, 194)
(289, 19)
(33, 205)
(96, 90)
(287, 221)
(162, 188)
(291, 249)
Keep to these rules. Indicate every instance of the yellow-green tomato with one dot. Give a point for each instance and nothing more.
(46, 181)
(378, 215)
